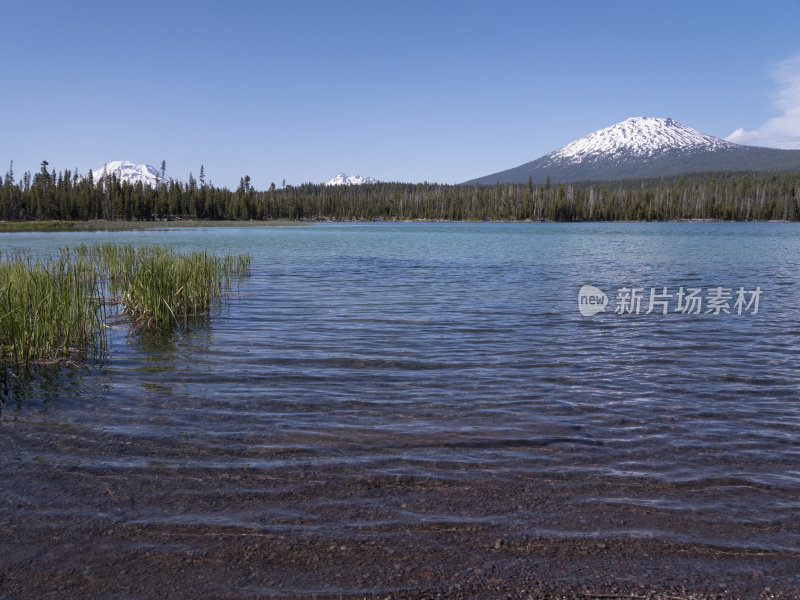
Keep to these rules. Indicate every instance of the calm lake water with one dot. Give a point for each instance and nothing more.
(450, 351)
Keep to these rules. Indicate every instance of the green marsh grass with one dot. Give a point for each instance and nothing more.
(50, 226)
(50, 309)
(159, 288)
(20, 226)
(56, 308)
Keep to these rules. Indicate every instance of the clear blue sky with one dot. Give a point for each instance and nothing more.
(400, 91)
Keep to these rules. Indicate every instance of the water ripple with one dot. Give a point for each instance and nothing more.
(456, 352)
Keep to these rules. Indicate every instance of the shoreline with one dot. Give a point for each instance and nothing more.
(68, 226)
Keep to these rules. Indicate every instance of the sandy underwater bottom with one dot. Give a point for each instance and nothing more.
(147, 529)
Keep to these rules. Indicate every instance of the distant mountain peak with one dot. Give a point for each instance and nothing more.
(131, 172)
(343, 179)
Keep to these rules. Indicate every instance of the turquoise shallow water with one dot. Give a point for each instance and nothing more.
(457, 351)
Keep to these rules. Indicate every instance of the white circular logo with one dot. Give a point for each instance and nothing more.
(591, 300)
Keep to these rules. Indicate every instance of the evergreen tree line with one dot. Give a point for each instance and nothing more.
(47, 195)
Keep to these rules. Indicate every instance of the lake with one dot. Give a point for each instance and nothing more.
(413, 408)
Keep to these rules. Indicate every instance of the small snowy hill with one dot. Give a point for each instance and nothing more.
(131, 172)
(342, 179)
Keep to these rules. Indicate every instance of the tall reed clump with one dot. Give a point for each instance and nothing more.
(50, 309)
(159, 288)
(56, 308)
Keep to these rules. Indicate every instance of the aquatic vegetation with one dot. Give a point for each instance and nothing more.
(19, 226)
(50, 309)
(104, 225)
(158, 287)
(56, 308)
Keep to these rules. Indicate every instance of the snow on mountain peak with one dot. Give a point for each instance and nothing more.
(637, 136)
(131, 172)
(342, 179)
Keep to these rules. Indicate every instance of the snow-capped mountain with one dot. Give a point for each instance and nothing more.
(131, 172)
(644, 147)
(637, 136)
(342, 179)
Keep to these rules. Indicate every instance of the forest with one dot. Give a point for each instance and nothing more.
(48, 195)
